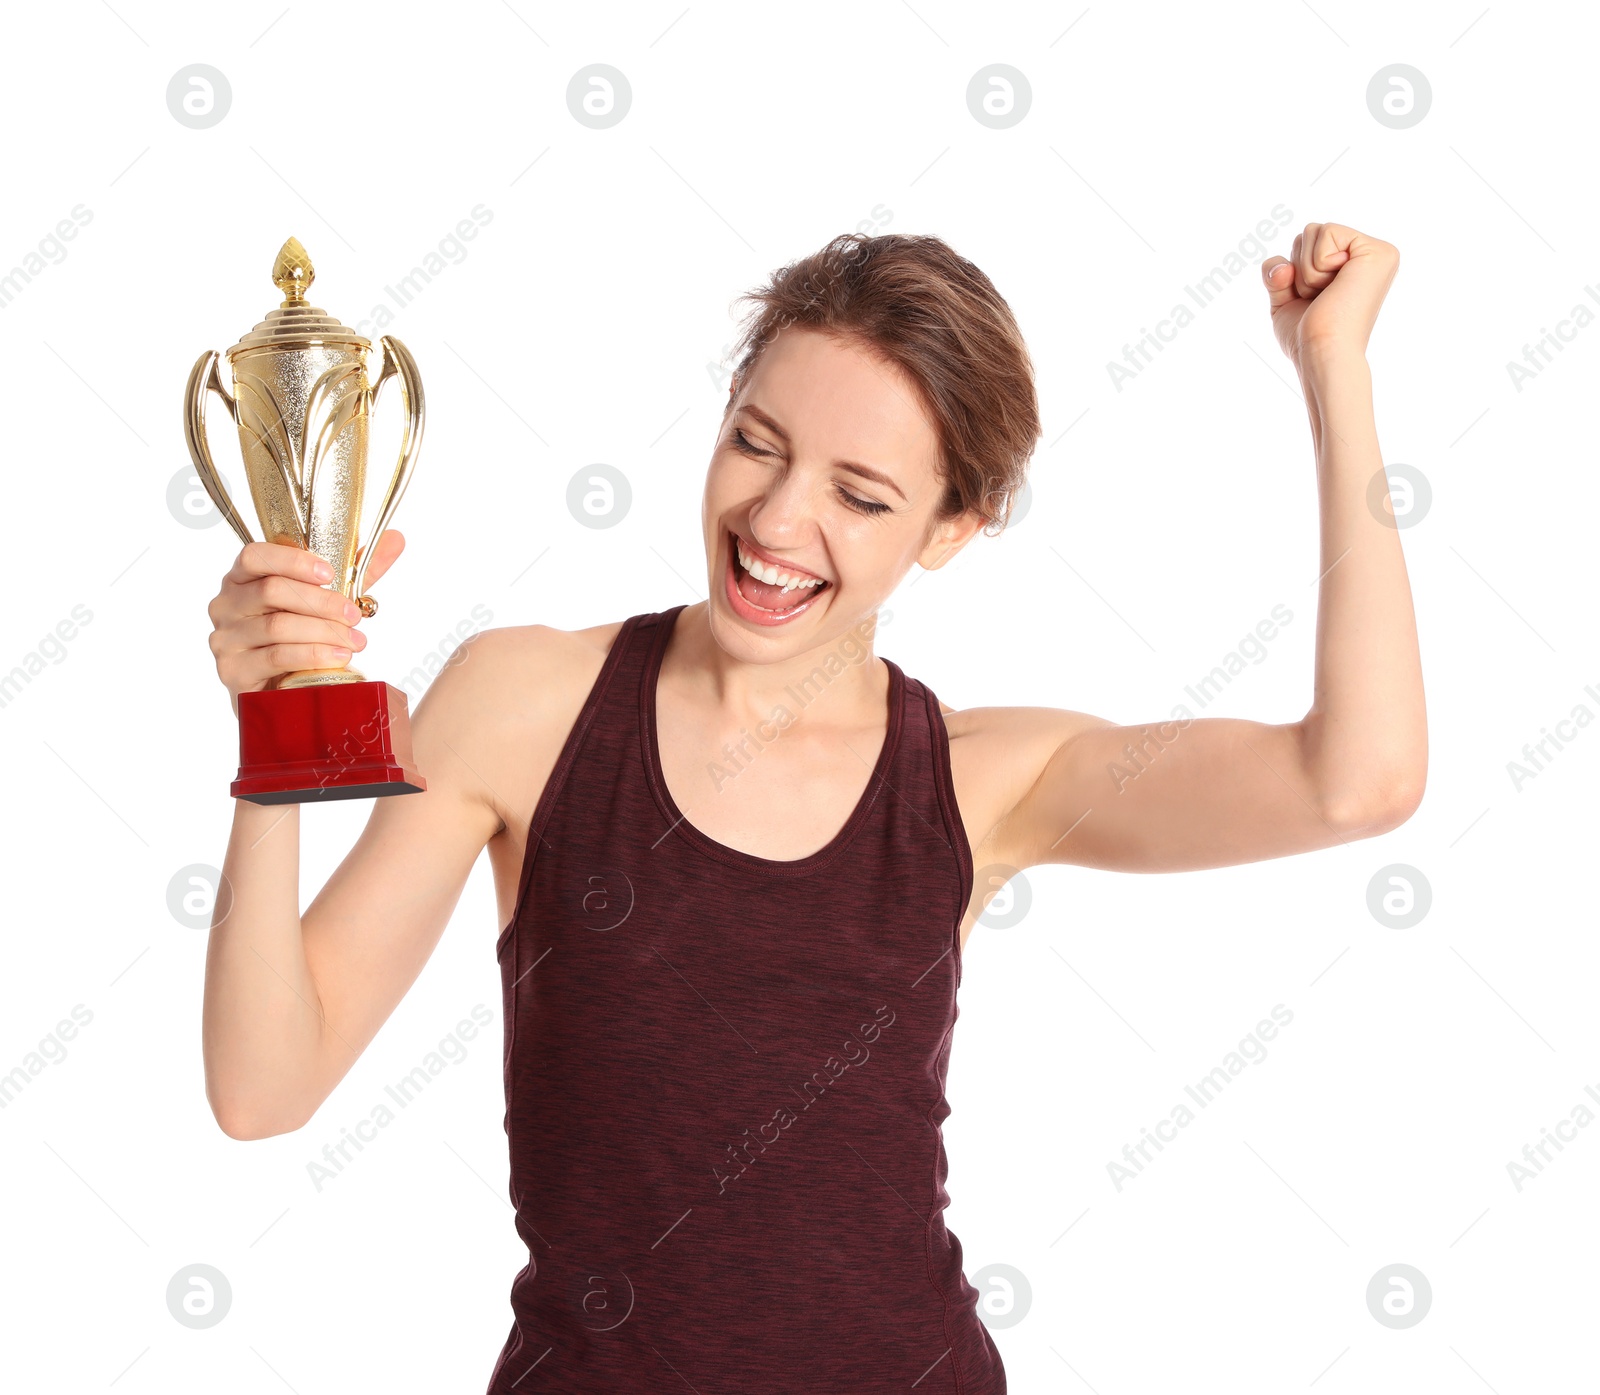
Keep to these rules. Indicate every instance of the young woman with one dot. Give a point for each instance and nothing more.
(734, 849)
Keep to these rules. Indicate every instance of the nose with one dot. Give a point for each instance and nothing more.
(783, 517)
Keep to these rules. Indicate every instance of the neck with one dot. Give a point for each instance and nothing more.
(840, 676)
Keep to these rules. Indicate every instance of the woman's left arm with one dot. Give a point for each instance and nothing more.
(1207, 792)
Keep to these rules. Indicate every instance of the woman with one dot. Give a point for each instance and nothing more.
(734, 850)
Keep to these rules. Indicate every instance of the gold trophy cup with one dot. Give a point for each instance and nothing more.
(302, 400)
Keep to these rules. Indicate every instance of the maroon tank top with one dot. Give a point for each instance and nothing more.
(725, 1077)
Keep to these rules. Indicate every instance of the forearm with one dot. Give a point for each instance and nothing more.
(1366, 731)
(262, 1024)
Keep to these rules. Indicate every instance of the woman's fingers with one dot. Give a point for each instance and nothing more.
(390, 545)
(258, 559)
(258, 647)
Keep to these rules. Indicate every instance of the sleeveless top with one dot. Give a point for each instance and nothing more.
(725, 1075)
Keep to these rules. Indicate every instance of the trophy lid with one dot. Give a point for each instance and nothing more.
(296, 323)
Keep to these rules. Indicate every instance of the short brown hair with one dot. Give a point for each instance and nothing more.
(911, 299)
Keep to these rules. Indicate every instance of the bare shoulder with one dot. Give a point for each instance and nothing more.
(502, 706)
(996, 756)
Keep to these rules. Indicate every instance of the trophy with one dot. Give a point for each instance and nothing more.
(301, 399)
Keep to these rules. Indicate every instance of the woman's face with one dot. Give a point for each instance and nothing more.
(826, 465)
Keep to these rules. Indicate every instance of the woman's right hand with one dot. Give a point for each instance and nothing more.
(275, 614)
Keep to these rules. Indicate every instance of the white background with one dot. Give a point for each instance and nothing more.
(1166, 520)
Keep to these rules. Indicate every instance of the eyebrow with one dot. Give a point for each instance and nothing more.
(865, 471)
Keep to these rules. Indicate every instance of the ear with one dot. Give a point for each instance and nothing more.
(948, 536)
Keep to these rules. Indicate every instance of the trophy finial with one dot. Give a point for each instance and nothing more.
(293, 273)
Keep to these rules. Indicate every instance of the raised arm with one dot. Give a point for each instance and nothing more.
(1179, 794)
(292, 1000)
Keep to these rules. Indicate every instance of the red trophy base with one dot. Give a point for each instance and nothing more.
(341, 741)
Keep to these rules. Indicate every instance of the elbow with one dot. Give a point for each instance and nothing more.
(1380, 808)
(246, 1120)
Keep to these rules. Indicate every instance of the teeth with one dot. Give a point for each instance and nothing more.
(772, 575)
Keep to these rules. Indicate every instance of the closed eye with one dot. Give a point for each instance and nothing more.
(742, 443)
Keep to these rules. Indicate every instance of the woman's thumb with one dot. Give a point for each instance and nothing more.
(1277, 274)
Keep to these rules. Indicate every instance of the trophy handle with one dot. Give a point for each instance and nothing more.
(202, 379)
(397, 362)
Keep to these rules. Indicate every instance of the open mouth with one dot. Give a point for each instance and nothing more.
(784, 595)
